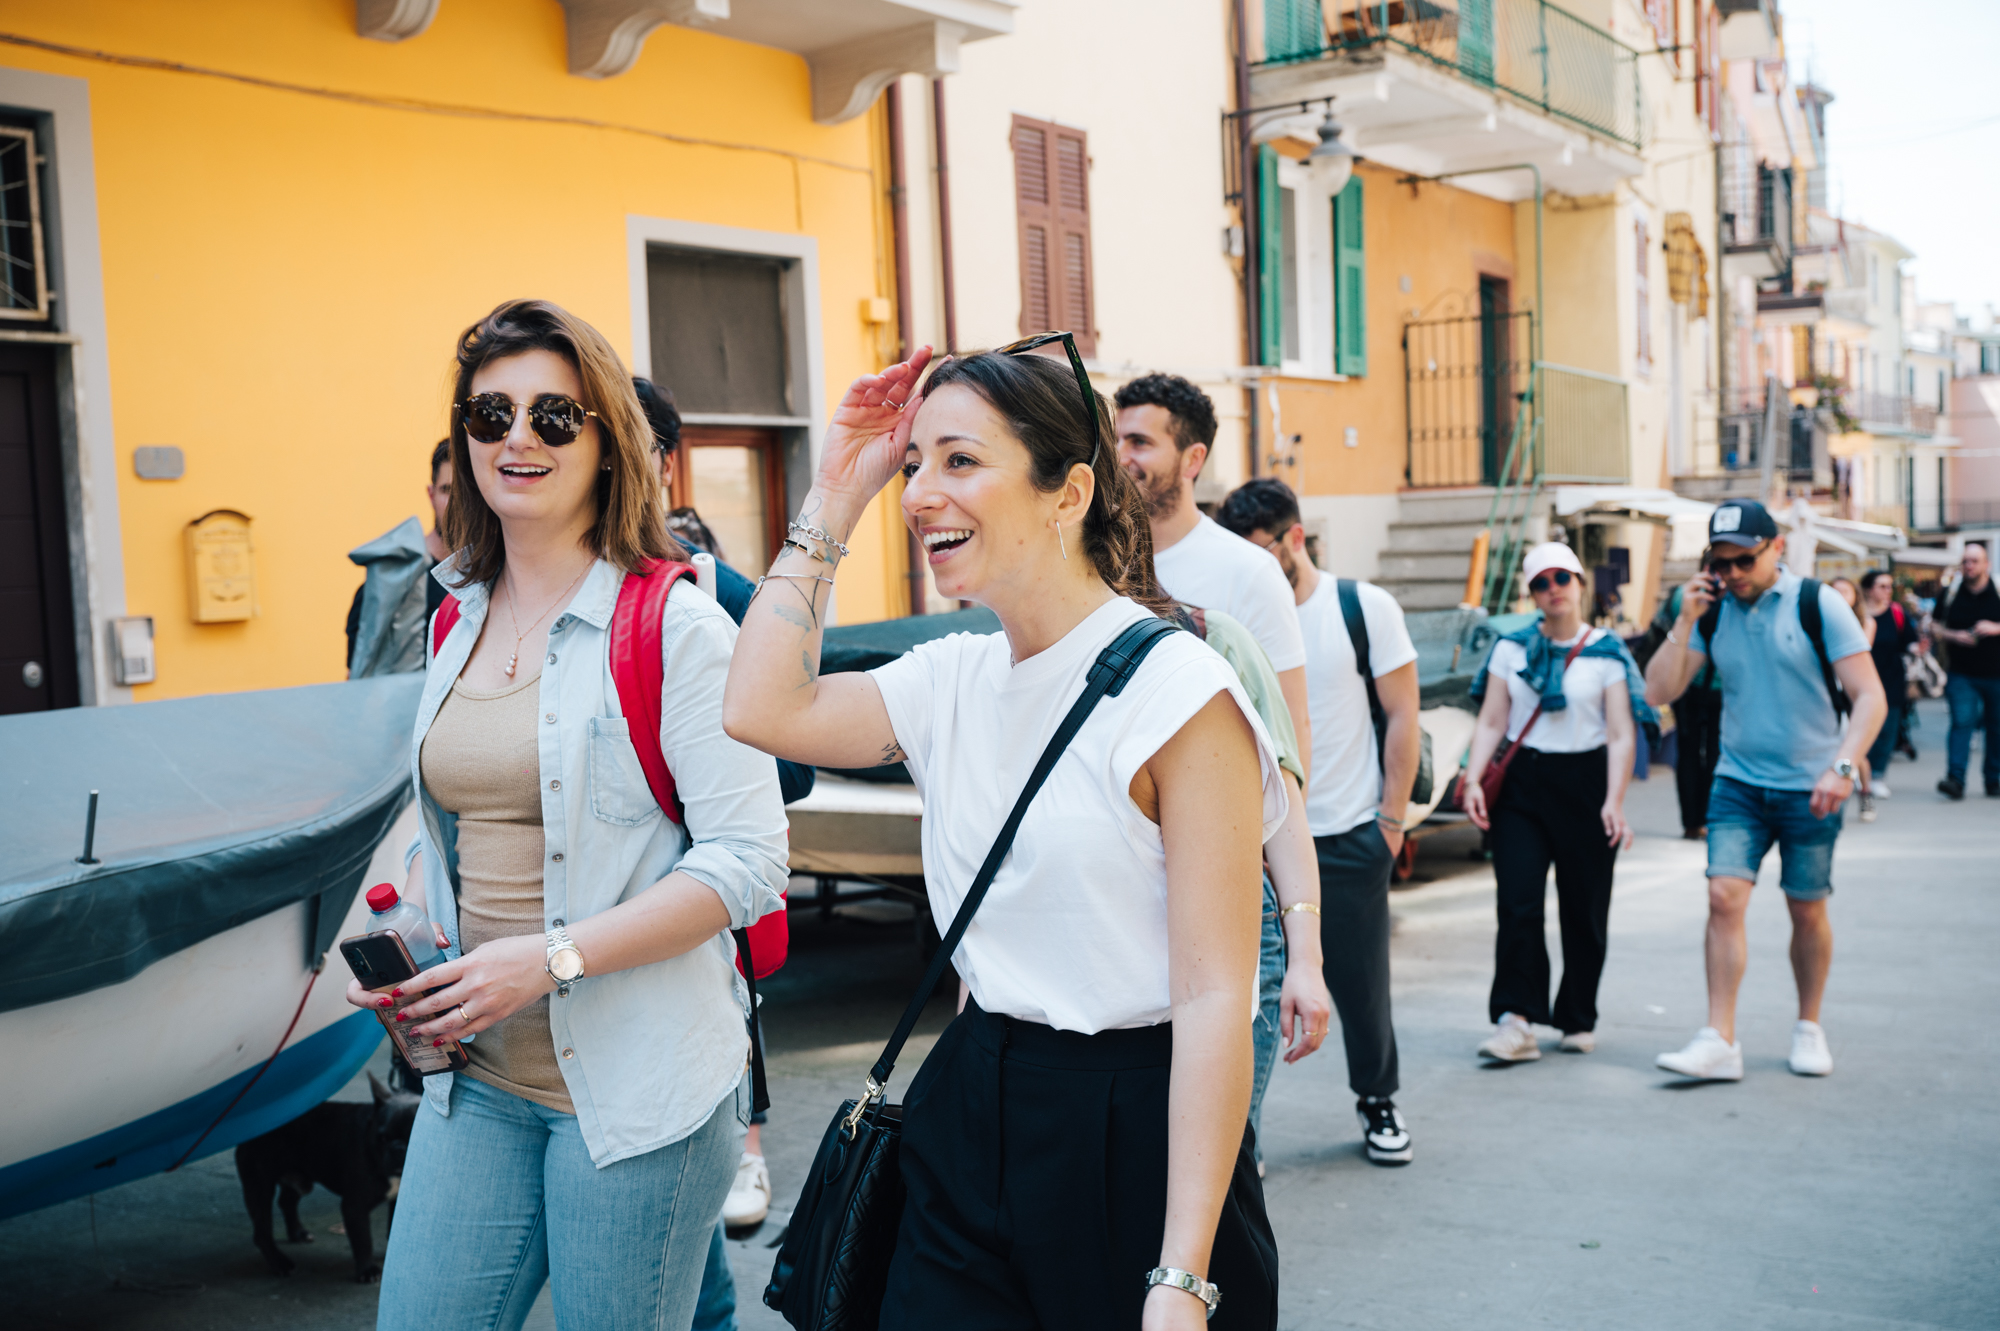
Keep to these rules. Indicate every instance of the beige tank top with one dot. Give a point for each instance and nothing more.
(480, 762)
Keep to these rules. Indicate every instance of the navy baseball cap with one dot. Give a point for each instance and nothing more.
(1741, 522)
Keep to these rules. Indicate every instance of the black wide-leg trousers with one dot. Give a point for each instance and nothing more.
(1697, 748)
(1354, 868)
(1549, 812)
(1035, 1167)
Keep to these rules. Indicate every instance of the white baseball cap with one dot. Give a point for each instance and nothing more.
(1548, 555)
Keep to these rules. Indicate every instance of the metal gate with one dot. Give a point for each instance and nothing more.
(1464, 382)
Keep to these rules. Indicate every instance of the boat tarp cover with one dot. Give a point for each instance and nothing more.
(848, 647)
(212, 811)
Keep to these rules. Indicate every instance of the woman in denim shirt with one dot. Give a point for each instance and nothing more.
(594, 1135)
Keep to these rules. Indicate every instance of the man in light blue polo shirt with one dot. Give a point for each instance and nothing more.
(1787, 764)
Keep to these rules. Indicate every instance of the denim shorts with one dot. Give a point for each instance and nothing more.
(1743, 821)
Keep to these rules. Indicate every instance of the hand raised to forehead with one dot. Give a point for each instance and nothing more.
(870, 429)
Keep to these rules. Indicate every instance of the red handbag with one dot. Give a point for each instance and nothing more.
(1495, 774)
(639, 674)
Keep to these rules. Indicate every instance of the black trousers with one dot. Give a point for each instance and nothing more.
(1354, 939)
(1698, 744)
(1035, 1163)
(1549, 812)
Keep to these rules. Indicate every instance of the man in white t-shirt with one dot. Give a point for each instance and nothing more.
(1165, 428)
(1359, 793)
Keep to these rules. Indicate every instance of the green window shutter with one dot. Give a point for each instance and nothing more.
(1292, 28)
(1350, 286)
(1270, 259)
(1475, 39)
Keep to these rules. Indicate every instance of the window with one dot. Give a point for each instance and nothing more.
(732, 476)
(1642, 294)
(24, 279)
(1288, 269)
(1292, 28)
(1052, 205)
(1350, 288)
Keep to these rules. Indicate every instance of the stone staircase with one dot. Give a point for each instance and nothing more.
(1430, 546)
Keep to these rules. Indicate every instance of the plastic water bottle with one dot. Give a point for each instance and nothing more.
(407, 919)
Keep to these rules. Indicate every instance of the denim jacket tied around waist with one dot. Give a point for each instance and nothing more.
(649, 1052)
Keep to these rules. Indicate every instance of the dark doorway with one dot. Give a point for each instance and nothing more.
(38, 667)
(1496, 378)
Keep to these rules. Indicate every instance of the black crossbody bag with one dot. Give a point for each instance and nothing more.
(833, 1268)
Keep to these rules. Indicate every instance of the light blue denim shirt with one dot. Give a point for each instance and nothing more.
(647, 1053)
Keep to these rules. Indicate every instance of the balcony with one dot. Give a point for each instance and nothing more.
(1433, 87)
(1949, 515)
(1890, 413)
(853, 47)
(1756, 216)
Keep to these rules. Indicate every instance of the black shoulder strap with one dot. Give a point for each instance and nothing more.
(1115, 667)
(760, 1091)
(1357, 633)
(1815, 626)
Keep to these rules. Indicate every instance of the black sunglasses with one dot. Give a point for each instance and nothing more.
(1741, 563)
(1068, 340)
(1540, 582)
(555, 419)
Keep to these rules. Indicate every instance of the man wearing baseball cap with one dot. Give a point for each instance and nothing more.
(1791, 659)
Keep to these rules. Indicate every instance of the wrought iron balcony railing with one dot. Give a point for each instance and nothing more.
(1532, 50)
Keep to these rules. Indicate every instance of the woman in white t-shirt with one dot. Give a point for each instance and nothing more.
(1563, 802)
(1075, 1149)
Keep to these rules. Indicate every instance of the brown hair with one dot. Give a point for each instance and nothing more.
(631, 524)
(1037, 397)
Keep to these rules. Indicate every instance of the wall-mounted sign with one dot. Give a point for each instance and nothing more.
(221, 585)
(159, 462)
(132, 650)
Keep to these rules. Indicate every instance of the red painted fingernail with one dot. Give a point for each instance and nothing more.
(402, 1016)
(437, 1044)
(395, 993)
(384, 1002)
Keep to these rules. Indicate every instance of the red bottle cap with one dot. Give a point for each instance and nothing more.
(382, 897)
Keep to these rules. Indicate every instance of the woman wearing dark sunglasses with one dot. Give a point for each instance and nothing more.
(1075, 1147)
(591, 1140)
(1570, 696)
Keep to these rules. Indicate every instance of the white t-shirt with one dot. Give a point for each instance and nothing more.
(1346, 762)
(1215, 569)
(1073, 932)
(1577, 728)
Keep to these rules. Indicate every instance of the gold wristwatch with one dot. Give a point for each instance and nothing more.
(565, 963)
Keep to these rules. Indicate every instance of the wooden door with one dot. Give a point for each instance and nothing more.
(38, 665)
(732, 477)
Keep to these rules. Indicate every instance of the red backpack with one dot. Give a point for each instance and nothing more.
(637, 671)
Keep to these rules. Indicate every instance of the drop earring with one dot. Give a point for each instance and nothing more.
(1059, 542)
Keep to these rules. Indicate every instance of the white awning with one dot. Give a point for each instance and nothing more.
(1686, 518)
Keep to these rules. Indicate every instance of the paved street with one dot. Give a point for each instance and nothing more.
(1575, 1192)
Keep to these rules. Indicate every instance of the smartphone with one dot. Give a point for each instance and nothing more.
(381, 961)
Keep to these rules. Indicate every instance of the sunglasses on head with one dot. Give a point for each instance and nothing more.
(1741, 563)
(555, 419)
(1561, 577)
(1068, 340)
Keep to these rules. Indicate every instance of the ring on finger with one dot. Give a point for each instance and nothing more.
(464, 1017)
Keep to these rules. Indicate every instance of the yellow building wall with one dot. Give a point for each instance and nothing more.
(1440, 238)
(285, 273)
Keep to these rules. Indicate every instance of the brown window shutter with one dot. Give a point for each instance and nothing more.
(1036, 222)
(1077, 312)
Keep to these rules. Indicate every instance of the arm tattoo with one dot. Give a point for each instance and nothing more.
(892, 752)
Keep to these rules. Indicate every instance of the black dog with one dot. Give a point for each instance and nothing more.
(353, 1151)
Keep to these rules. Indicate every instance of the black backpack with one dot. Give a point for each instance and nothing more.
(1815, 627)
(1357, 633)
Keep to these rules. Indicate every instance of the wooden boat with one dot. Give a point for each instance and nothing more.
(146, 990)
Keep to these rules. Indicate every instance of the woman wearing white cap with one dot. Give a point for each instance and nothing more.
(1572, 705)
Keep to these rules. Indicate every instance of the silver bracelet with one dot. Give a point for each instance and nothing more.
(825, 537)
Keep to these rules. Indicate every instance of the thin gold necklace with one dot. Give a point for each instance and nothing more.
(512, 618)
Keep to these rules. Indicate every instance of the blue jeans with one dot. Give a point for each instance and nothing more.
(1743, 822)
(1264, 1033)
(1968, 698)
(502, 1197)
(715, 1310)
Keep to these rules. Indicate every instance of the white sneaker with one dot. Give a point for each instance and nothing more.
(749, 1198)
(1810, 1056)
(1708, 1057)
(1879, 789)
(1579, 1042)
(1512, 1041)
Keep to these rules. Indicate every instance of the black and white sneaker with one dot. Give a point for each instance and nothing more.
(1383, 1129)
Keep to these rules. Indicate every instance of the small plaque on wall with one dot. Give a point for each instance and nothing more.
(221, 585)
(159, 462)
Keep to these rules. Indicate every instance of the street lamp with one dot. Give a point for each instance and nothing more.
(1333, 157)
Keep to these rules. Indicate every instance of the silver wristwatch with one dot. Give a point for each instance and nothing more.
(1845, 769)
(565, 963)
(1189, 1281)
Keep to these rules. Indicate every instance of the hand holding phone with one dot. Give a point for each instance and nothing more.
(381, 962)
(1700, 592)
